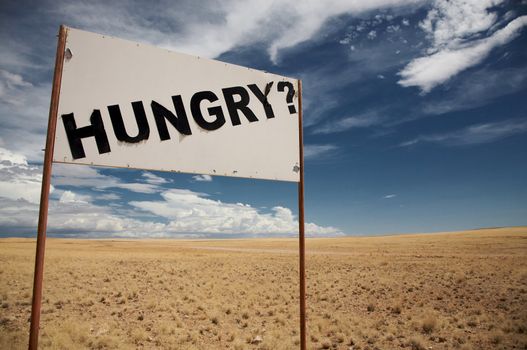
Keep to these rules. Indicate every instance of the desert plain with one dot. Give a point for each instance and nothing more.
(459, 290)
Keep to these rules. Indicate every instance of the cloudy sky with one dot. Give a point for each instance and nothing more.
(415, 117)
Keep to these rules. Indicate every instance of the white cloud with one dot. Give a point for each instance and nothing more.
(474, 134)
(24, 107)
(108, 197)
(214, 28)
(455, 29)
(317, 151)
(154, 179)
(9, 84)
(18, 179)
(85, 176)
(11, 158)
(307, 17)
(75, 218)
(190, 211)
(73, 212)
(20, 185)
(455, 20)
(388, 196)
(202, 178)
(72, 197)
(393, 28)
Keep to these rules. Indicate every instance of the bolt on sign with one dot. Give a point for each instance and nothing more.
(124, 104)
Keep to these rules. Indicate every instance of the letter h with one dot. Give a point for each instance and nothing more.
(75, 135)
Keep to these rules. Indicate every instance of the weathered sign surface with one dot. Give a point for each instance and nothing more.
(124, 104)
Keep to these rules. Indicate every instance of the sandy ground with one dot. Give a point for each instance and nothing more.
(465, 290)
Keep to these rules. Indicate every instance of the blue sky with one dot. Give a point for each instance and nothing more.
(414, 118)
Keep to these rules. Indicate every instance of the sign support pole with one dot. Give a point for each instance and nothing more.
(44, 194)
(301, 238)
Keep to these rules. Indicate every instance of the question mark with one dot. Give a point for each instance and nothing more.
(290, 93)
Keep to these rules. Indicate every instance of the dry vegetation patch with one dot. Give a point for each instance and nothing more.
(442, 291)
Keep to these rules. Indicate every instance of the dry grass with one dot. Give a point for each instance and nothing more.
(443, 291)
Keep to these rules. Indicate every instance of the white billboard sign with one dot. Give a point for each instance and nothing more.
(124, 104)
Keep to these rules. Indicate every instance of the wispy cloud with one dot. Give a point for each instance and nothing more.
(211, 28)
(10, 84)
(474, 134)
(24, 106)
(455, 28)
(388, 196)
(108, 197)
(479, 88)
(339, 125)
(202, 178)
(154, 179)
(85, 176)
(317, 151)
(309, 16)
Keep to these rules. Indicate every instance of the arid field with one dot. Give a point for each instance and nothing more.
(465, 290)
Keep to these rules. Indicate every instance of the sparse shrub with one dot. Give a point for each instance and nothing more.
(459, 340)
(239, 346)
(428, 324)
(496, 338)
(214, 320)
(460, 279)
(370, 307)
(326, 344)
(521, 328)
(139, 335)
(280, 320)
(416, 344)
(396, 309)
(339, 338)
(104, 342)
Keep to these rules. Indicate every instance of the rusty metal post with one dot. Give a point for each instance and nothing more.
(44, 194)
(301, 238)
